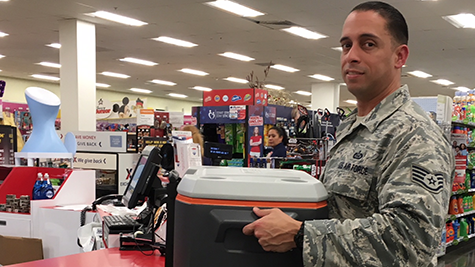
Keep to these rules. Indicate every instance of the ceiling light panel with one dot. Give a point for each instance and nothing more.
(102, 85)
(138, 61)
(194, 72)
(305, 93)
(275, 87)
(321, 77)
(338, 48)
(462, 88)
(115, 75)
(235, 80)
(2, 56)
(117, 18)
(302, 32)
(420, 74)
(50, 64)
(350, 101)
(463, 20)
(139, 90)
(443, 82)
(54, 45)
(177, 95)
(284, 68)
(45, 77)
(162, 82)
(202, 88)
(236, 56)
(173, 41)
(235, 8)
(2, 34)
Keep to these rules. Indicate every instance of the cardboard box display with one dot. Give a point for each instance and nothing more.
(19, 249)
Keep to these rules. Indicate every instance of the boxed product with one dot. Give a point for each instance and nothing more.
(19, 249)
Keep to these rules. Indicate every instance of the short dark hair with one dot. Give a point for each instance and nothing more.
(395, 22)
(281, 132)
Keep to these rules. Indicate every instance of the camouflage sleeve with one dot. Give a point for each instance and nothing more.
(412, 209)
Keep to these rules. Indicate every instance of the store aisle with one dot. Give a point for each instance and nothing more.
(462, 255)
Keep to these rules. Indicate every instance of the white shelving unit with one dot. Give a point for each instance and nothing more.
(31, 156)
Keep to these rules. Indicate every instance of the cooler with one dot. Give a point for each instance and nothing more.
(215, 203)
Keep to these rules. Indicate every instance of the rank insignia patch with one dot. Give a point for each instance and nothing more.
(433, 182)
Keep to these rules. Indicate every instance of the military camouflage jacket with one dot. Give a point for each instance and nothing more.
(389, 180)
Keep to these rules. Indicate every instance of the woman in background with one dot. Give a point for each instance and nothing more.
(277, 140)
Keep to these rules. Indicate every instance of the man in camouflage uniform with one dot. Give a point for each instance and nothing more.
(389, 176)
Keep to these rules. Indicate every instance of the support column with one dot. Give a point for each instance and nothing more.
(78, 75)
(326, 95)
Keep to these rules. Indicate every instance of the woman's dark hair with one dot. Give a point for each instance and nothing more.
(395, 22)
(281, 132)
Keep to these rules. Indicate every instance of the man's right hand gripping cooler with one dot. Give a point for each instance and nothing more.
(215, 203)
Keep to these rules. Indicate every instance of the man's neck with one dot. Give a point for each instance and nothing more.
(366, 105)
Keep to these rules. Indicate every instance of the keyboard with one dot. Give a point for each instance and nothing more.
(121, 223)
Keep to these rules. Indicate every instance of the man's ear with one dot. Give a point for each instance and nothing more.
(401, 54)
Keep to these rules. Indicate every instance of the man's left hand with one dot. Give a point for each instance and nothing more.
(275, 230)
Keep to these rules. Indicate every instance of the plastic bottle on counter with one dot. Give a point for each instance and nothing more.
(37, 186)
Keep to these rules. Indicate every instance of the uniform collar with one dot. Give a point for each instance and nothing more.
(379, 113)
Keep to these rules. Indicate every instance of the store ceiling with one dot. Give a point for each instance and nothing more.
(436, 46)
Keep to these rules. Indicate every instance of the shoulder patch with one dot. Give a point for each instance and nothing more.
(432, 182)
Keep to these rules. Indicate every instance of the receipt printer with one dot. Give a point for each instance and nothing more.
(214, 204)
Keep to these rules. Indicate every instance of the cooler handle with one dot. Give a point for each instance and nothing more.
(228, 219)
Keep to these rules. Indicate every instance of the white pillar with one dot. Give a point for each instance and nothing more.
(78, 75)
(325, 95)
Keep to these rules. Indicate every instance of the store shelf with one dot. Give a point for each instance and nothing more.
(455, 242)
(461, 123)
(461, 192)
(453, 217)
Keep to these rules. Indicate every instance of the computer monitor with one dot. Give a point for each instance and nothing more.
(218, 151)
(143, 177)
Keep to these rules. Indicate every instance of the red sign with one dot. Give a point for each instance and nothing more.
(228, 97)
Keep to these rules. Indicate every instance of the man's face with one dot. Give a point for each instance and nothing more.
(369, 61)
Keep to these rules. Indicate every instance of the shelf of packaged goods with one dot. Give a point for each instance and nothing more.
(461, 192)
(455, 242)
(461, 123)
(455, 216)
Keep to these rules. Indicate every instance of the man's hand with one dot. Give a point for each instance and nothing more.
(275, 230)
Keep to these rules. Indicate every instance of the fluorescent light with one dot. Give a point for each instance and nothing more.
(45, 77)
(305, 93)
(115, 75)
(443, 82)
(138, 90)
(462, 88)
(420, 74)
(54, 45)
(236, 80)
(163, 82)
(201, 88)
(2, 56)
(342, 84)
(275, 87)
(177, 95)
(321, 77)
(50, 64)
(4, 0)
(284, 68)
(302, 32)
(235, 8)
(118, 18)
(102, 85)
(138, 61)
(194, 72)
(236, 56)
(349, 101)
(404, 66)
(338, 48)
(2, 34)
(462, 20)
(174, 41)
